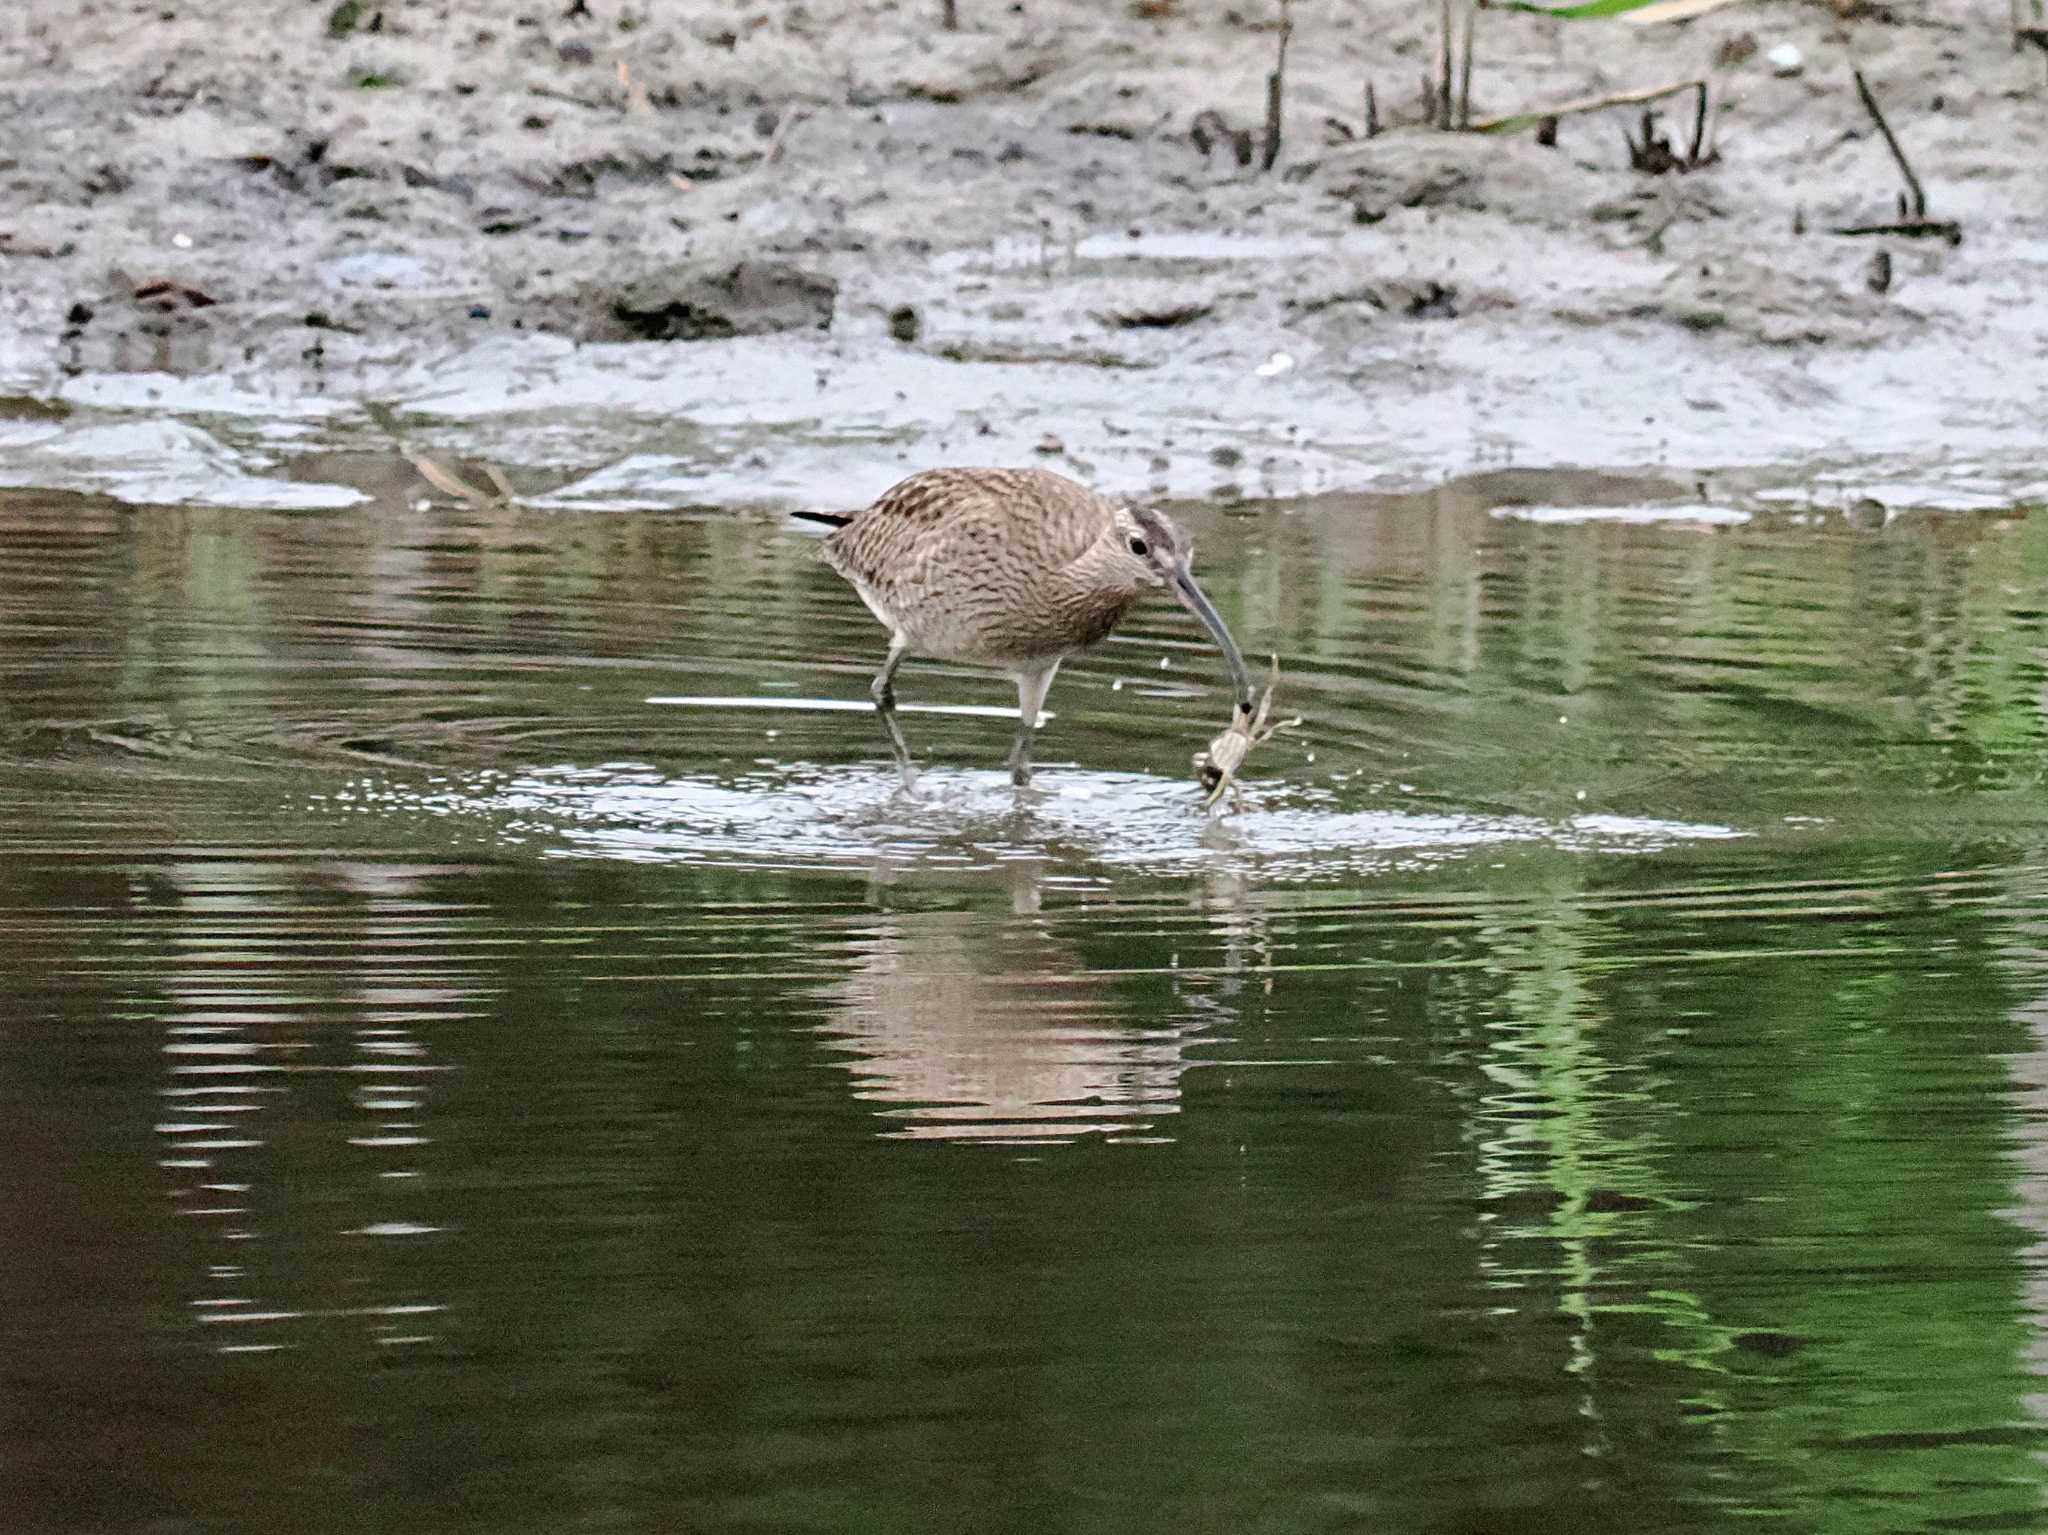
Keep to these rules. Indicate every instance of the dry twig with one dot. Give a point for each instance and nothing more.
(1471, 10)
(449, 483)
(1442, 94)
(1511, 122)
(1917, 199)
(637, 104)
(1912, 222)
(441, 478)
(1276, 89)
(1907, 229)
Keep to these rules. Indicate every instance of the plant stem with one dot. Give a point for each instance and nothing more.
(1471, 10)
(1443, 93)
(1917, 203)
(1276, 90)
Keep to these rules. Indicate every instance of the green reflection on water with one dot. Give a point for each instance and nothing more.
(386, 1148)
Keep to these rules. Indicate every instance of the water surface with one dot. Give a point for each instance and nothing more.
(1595, 1081)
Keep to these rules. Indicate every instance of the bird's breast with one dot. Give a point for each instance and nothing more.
(1002, 619)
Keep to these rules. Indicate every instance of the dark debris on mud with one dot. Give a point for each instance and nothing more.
(320, 201)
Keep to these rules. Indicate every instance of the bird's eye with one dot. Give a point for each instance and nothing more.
(1139, 547)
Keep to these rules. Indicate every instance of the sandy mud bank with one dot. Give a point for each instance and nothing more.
(768, 252)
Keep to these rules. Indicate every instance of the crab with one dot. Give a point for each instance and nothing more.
(1216, 768)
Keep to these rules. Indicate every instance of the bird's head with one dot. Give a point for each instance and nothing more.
(1153, 551)
(1149, 547)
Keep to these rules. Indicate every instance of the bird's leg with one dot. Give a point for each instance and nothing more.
(1031, 690)
(884, 690)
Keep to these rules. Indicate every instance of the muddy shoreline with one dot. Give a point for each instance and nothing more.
(871, 245)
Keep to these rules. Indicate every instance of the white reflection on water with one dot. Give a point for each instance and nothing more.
(2026, 963)
(300, 995)
(150, 462)
(800, 815)
(1647, 513)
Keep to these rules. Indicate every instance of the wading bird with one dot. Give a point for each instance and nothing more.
(1011, 568)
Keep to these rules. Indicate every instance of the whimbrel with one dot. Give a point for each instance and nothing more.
(1011, 568)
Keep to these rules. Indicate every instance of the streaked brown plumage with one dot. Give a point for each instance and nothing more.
(1010, 568)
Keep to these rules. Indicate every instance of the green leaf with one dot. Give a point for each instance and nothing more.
(1584, 11)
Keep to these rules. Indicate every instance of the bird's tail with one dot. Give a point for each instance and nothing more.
(830, 519)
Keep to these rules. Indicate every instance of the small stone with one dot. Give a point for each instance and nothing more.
(1050, 444)
(1739, 49)
(1786, 60)
(904, 323)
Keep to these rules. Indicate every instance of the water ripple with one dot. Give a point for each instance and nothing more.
(799, 815)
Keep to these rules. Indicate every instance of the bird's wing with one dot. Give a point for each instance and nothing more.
(1040, 519)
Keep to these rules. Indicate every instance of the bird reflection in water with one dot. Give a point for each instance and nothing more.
(965, 1027)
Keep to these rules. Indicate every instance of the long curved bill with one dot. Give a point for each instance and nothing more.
(1195, 602)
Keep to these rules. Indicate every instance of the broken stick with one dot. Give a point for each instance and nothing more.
(1276, 90)
(1916, 203)
(1471, 16)
(1912, 222)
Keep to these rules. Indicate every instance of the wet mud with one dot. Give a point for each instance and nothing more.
(698, 252)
